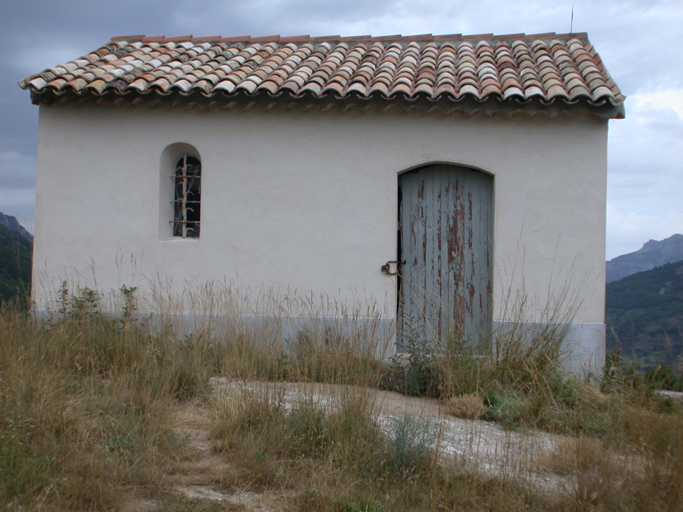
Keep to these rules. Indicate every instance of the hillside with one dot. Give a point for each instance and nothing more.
(644, 315)
(653, 254)
(11, 222)
(15, 262)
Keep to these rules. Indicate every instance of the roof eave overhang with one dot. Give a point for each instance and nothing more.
(469, 105)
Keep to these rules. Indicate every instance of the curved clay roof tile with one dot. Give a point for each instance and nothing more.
(511, 92)
(424, 89)
(489, 80)
(334, 87)
(533, 91)
(510, 82)
(447, 58)
(603, 91)
(557, 91)
(446, 65)
(468, 89)
(181, 84)
(490, 90)
(578, 92)
(596, 83)
(204, 86)
(538, 44)
(238, 76)
(294, 82)
(548, 72)
(400, 88)
(225, 85)
(593, 75)
(154, 70)
(357, 87)
(587, 66)
(445, 88)
(465, 66)
(249, 85)
(469, 81)
(313, 87)
(269, 86)
(380, 87)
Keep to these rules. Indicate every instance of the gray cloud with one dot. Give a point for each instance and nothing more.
(16, 171)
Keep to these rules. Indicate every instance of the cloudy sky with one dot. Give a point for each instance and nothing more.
(639, 41)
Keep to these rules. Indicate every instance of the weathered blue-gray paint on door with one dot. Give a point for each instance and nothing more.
(445, 253)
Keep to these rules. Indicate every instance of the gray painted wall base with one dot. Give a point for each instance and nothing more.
(585, 349)
(374, 336)
(371, 334)
(582, 351)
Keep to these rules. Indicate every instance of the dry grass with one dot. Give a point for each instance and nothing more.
(470, 406)
(102, 413)
(576, 454)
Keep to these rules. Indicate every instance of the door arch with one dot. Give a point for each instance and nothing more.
(445, 254)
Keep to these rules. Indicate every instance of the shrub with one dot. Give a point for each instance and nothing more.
(506, 407)
(470, 407)
(412, 444)
(414, 375)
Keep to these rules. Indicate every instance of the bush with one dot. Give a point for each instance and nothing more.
(414, 375)
(412, 444)
(470, 407)
(508, 408)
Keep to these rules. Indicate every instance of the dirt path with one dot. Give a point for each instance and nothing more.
(477, 445)
(207, 475)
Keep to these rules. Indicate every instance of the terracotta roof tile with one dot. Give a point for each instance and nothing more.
(510, 73)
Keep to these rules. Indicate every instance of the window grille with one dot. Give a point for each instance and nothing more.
(187, 198)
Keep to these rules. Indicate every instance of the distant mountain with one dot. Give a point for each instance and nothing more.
(11, 222)
(653, 254)
(15, 258)
(644, 316)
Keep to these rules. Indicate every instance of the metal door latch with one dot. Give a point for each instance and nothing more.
(390, 268)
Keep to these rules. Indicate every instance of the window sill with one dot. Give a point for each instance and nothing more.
(179, 240)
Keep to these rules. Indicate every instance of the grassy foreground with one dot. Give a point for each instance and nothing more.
(88, 421)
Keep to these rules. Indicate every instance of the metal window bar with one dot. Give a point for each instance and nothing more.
(187, 201)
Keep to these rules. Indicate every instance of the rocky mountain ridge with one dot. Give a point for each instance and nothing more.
(654, 253)
(11, 222)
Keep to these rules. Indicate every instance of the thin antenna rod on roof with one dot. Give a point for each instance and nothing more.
(571, 26)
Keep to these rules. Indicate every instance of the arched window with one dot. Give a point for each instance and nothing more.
(187, 197)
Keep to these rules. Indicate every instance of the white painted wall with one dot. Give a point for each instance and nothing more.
(307, 201)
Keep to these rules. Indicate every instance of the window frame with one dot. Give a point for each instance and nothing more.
(186, 202)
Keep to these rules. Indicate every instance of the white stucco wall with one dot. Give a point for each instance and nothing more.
(307, 201)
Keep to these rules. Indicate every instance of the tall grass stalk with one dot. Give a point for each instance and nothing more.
(87, 422)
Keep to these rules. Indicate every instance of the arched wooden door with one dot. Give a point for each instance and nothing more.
(445, 244)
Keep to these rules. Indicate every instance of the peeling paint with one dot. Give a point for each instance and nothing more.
(446, 285)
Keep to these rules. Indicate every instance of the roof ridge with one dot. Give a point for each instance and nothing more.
(308, 38)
